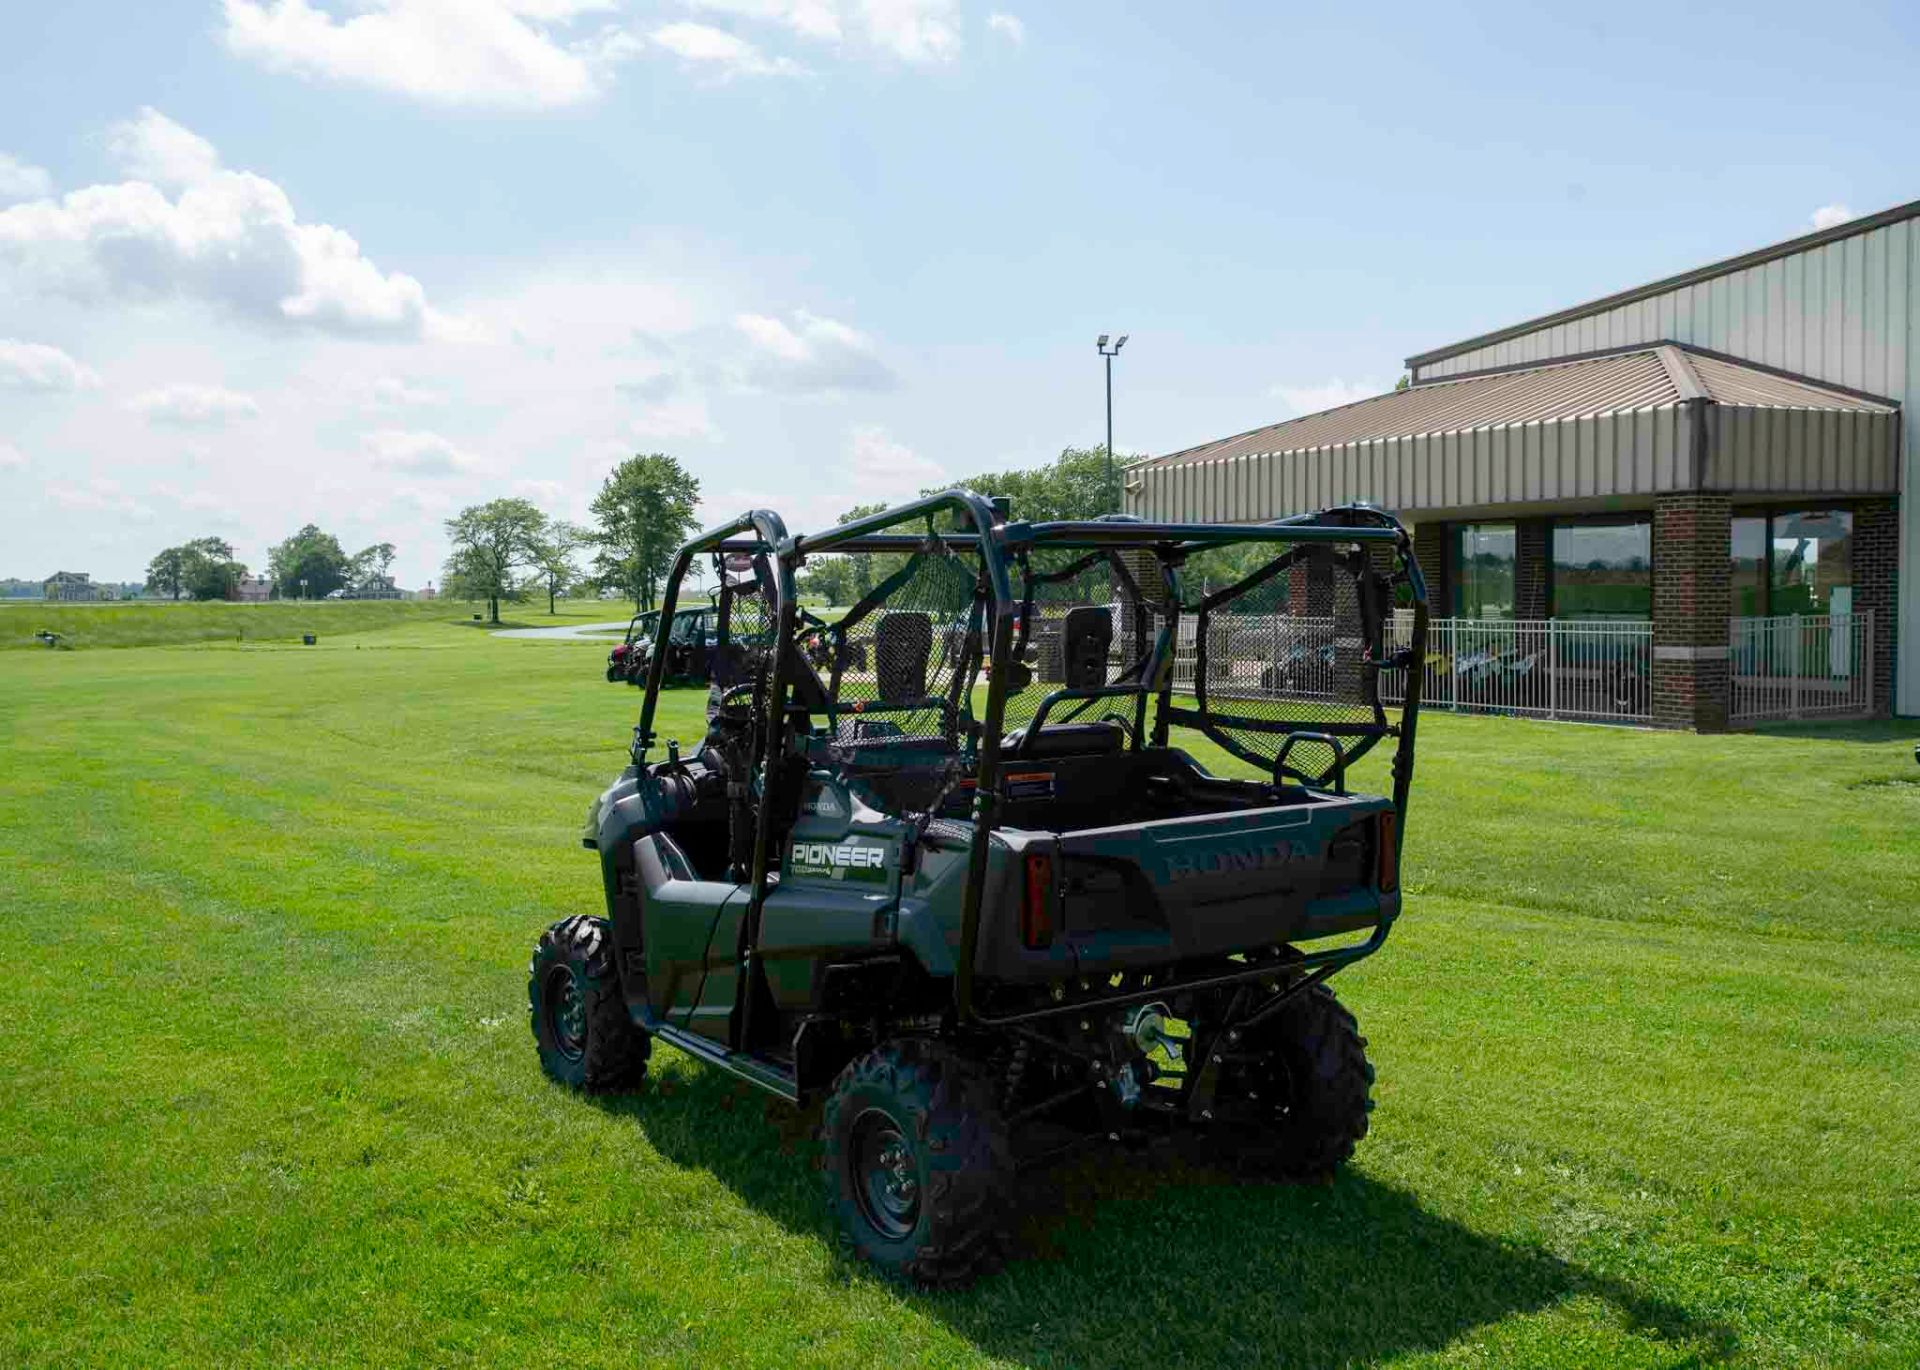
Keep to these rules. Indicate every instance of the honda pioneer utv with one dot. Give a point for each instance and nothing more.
(940, 865)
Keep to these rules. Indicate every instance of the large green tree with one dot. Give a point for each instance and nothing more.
(556, 557)
(1072, 486)
(308, 565)
(644, 511)
(168, 572)
(369, 565)
(201, 569)
(490, 542)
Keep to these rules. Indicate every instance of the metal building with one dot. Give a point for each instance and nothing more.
(1717, 458)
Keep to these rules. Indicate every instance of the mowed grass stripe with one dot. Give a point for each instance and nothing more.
(274, 1101)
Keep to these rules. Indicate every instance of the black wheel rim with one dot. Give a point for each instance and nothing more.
(885, 1180)
(566, 1010)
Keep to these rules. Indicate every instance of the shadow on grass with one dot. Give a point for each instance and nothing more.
(1135, 1259)
(1876, 730)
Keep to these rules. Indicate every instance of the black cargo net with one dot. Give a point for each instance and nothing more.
(897, 674)
(1084, 621)
(1281, 666)
(744, 630)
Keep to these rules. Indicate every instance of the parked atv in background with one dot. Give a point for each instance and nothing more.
(627, 661)
(940, 865)
(688, 647)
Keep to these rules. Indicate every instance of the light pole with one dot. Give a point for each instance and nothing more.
(1113, 488)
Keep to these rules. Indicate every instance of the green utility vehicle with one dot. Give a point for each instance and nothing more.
(940, 867)
(688, 647)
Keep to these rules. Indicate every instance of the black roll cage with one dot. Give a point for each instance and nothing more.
(762, 532)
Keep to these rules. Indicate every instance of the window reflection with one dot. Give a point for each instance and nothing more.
(1483, 570)
(1812, 563)
(1603, 570)
(1748, 570)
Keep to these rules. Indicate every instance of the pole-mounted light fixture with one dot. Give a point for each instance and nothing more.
(1113, 488)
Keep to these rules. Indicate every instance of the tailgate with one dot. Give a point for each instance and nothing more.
(1224, 882)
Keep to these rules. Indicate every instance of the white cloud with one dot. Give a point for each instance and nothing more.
(39, 366)
(881, 464)
(392, 392)
(417, 452)
(1331, 394)
(910, 30)
(152, 147)
(513, 53)
(811, 355)
(668, 420)
(208, 506)
(1008, 27)
(818, 19)
(99, 496)
(12, 458)
(1830, 216)
(703, 45)
(195, 406)
(22, 180)
(230, 239)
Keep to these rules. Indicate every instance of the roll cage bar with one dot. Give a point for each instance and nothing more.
(762, 532)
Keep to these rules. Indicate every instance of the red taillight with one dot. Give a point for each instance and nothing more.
(1387, 852)
(1036, 910)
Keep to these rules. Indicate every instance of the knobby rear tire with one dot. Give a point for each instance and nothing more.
(1316, 1045)
(588, 1042)
(938, 1106)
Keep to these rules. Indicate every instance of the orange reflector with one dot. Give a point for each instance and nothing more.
(1036, 910)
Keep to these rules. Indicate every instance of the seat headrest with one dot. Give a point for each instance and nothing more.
(1069, 739)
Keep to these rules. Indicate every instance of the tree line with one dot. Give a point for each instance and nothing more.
(1072, 486)
(309, 565)
(508, 549)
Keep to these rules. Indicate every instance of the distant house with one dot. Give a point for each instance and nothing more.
(374, 587)
(72, 586)
(252, 589)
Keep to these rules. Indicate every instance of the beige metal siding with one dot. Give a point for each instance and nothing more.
(1598, 456)
(1845, 311)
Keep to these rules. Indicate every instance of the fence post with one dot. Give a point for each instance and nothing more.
(1799, 664)
(1553, 668)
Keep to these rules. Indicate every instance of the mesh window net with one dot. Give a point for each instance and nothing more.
(1281, 666)
(898, 672)
(1085, 621)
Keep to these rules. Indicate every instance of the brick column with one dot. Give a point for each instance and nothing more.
(1430, 550)
(1532, 551)
(1692, 596)
(1876, 580)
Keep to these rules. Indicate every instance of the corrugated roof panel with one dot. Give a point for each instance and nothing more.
(1620, 383)
(1731, 383)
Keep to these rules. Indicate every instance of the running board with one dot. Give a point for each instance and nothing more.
(749, 1068)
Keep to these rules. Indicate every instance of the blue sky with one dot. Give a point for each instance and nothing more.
(271, 261)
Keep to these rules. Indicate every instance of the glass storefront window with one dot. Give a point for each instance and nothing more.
(1483, 570)
(1603, 570)
(1812, 563)
(1748, 567)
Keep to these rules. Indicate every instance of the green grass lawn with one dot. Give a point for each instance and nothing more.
(147, 623)
(1648, 1040)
